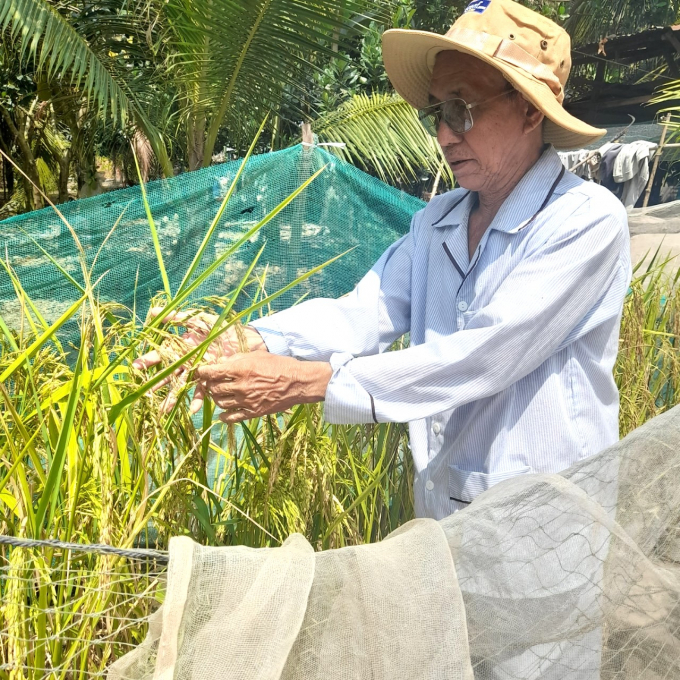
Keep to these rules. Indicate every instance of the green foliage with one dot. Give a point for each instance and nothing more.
(87, 456)
(63, 53)
(373, 127)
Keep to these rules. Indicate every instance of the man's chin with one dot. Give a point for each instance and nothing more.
(465, 174)
(467, 181)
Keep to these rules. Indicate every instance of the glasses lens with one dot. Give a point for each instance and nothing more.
(456, 115)
(430, 118)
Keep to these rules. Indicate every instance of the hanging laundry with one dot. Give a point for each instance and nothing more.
(574, 161)
(631, 168)
(609, 152)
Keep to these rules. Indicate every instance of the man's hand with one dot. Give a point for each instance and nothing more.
(259, 383)
(198, 325)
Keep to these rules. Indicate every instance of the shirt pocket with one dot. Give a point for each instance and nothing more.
(466, 485)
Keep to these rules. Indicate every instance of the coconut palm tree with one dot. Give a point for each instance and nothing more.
(223, 59)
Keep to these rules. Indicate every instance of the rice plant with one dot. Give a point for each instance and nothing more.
(648, 367)
(87, 456)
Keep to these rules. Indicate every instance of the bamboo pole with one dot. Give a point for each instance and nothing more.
(657, 156)
(435, 186)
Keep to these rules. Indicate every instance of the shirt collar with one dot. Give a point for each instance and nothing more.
(531, 194)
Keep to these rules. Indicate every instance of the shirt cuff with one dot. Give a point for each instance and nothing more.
(272, 336)
(347, 402)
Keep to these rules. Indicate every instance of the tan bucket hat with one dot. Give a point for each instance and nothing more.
(530, 50)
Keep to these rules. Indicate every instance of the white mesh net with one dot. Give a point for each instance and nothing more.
(384, 611)
(558, 577)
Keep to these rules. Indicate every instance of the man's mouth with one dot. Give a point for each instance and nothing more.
(456, 164)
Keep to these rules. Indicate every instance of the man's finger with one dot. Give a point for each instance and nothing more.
(215, 372)
(228, 403)
(172, 317)
(168, 403)
(175, 374)
(235, 417)
(197, 400)
(189, 318)
(171, 399)
(219, 388)
(147, 360)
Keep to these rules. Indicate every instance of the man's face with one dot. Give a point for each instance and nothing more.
(483, 156)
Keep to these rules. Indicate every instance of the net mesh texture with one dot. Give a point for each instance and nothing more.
(571, 576)
(343, 210)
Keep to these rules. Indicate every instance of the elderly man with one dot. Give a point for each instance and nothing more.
(511, 287)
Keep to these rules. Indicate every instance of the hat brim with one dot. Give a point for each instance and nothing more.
(409, 57)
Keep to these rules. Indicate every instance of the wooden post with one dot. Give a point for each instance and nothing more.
(435, 186)
(655, 165)
(307, 135)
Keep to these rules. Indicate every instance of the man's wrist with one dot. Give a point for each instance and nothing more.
(314, 378)
(255, 341)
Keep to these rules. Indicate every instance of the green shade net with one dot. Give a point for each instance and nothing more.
(342, 209)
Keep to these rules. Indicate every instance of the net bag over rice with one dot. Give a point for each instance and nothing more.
(559, 577)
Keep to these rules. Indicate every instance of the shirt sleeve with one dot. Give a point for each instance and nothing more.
(541, 305)
(366, 321)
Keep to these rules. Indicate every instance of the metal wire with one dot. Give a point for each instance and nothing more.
(619, 63)
(98, 548)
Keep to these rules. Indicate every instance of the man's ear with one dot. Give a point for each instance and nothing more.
(533, 117)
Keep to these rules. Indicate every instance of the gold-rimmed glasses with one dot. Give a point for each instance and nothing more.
(455, 112)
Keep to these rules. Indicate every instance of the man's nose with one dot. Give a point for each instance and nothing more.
(446, 136)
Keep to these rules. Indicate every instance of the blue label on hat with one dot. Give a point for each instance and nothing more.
(477, 6)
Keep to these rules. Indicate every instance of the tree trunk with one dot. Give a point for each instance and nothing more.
(9, 177)
(64, 171)
(196, 139)
(143, 153)
(34, 199)
(7, 170)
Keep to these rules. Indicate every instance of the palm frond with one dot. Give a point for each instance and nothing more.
(57, 47)
(245, 51)
(48, 36)
(382, 133)
(670, 95)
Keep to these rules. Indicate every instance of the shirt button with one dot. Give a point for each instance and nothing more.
(429, 485)
(462, 306)
(436, 428)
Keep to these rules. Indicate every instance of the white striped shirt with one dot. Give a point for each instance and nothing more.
(509, 369)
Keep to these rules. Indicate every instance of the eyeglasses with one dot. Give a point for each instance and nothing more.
(456, 113)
